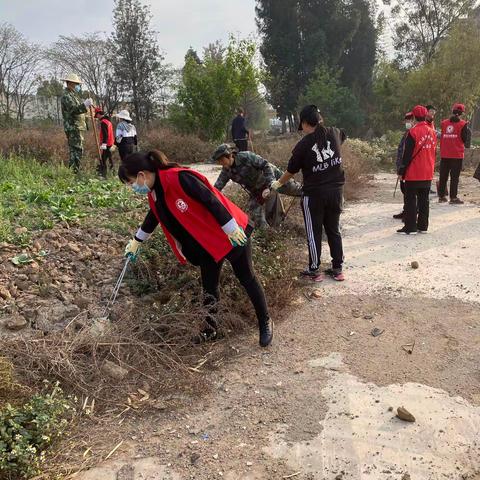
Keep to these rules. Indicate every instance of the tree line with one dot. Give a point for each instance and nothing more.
(328, 52)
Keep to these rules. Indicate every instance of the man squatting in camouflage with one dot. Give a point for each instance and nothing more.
(255, 175)
(74, 124)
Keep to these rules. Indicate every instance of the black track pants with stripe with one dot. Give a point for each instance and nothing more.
(323, 212)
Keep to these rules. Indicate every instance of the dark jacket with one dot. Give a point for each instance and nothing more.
(239, 131)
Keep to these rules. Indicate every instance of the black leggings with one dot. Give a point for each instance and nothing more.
(106, 155)
(241, 260)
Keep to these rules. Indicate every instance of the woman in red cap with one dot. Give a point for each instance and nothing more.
(455, 137)
(202, 227)
(416, 170)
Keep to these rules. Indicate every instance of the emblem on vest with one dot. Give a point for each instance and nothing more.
(450, 129)
(181, 205)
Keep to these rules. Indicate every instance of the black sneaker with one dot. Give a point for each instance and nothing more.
(266, 332)
(404, 231)
(307, 273)
(456, 201)
(399, 216)
(442, 199)
(336, 274)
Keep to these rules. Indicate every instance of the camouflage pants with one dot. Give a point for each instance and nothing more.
(257, 210)
(75, 147)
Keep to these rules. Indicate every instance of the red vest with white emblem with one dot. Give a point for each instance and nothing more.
(193, 215)
(423, 159)
(451, 143)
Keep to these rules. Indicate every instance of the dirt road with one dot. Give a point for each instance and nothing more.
(320, 403)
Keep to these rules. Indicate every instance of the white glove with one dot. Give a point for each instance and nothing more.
(88, 103)
(266, 193)
(132, 249)
(276, 185)
(103, 146)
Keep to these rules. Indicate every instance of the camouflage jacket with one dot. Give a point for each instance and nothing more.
(73, 111)
(249, 170)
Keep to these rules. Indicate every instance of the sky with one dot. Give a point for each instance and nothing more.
(179, 23)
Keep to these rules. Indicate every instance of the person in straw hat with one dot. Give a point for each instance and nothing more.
(125, 134)
(73, 112)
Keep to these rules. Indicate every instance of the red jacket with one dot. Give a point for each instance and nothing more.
(110, 139)
(422, 164)
(451, 143)
(194, 217)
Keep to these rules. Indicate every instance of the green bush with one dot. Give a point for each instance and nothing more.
(27, 431)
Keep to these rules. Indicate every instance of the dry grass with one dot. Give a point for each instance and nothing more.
(50, 145)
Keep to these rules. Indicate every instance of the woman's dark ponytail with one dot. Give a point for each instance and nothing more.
(151, 161)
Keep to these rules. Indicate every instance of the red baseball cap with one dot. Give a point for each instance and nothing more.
(419, 111)
(458, 106)
(98, 111)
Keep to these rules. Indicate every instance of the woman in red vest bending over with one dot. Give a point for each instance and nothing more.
(202, 226)
(416, 170)
(455, 137)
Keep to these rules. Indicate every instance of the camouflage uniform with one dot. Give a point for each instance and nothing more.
(74, 125)
(255, 174)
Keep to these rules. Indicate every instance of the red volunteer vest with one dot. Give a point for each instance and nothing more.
(110, 138)
(423, 159)
(194, 217)
(451, 143)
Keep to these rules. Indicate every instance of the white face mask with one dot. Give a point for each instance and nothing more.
(408, 125)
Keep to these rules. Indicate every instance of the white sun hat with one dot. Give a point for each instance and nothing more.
(124, 115)
(73, 78)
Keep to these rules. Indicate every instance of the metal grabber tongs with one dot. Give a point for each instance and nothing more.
(117, 286)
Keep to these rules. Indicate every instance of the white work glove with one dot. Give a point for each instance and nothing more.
(132, 249)
(88, 103)
(103, 146)
(266, 193)
(276, 185)
(235, 233)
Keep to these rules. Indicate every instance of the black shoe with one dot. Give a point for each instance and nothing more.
(307, 273)
(404, 231)
(208, 334)
(266, 332)
(442, 200)
(399, 216)
(456, 201)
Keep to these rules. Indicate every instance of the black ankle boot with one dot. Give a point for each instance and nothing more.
(266, 332)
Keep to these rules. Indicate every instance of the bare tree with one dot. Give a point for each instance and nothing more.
(90, 57)
(20, 63)
(420, 26)
(138, 60)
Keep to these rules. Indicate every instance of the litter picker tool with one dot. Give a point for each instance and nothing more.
(396, 186)
(94, 125)
(116, 288)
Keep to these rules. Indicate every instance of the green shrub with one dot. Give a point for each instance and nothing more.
(27, 431)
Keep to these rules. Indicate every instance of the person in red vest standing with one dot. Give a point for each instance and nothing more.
(202, 227)
(455, 137)
(107, 140)
(416, 170)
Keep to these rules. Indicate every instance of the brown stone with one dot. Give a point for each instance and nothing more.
(113, 370)
(15, 322)
(405, 415)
